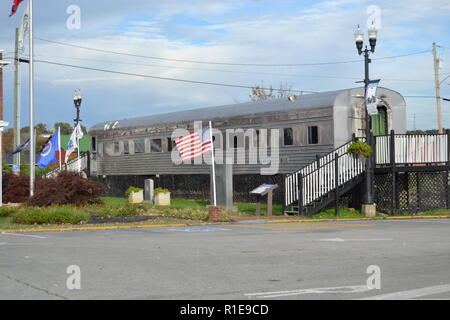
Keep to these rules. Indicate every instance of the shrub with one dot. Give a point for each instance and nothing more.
(50, 215)
(130, 190)
(7, 211)
(120, 210)
(360, 148)
(66, 188)
(182, 213)
(160, 190)
(16, 189)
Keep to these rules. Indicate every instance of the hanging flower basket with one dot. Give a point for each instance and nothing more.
(360, 148)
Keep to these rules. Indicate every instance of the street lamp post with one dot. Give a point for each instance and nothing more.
(368, 207)
(77, 99)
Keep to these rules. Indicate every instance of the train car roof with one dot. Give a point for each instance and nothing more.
(307, 101)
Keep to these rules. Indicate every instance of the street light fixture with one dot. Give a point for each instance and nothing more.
(368, 201)
(77, 99)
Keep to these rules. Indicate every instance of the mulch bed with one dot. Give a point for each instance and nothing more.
(121, 219)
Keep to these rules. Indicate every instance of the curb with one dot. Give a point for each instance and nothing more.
(92, 228)
(205, 224)
(363, 219)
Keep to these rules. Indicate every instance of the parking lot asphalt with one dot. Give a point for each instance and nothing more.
(317, 260)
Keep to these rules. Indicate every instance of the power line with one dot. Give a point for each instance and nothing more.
(165, 78)
(223, 63)
(228, 71)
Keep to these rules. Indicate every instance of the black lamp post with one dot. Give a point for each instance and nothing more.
(77, 98)
(359, 40)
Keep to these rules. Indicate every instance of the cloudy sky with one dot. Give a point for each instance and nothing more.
(213, 35)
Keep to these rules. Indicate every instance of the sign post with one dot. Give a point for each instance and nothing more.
(265, 189)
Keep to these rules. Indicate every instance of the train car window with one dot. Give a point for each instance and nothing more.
(126, 147)
(116, 147)
(139, 146)
(313, 135)
(170, 144)
(94, 144)
(156, 145)
(288, 137)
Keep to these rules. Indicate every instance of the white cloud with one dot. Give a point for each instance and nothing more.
(235, 33)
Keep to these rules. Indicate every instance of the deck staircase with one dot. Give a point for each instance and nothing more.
(316, 186)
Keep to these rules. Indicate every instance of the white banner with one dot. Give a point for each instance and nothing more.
(24, 27)
(371, 97)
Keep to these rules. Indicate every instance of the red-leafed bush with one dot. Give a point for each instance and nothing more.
(16, 189)
(66, 188)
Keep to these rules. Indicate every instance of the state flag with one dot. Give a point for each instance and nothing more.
(49, 153)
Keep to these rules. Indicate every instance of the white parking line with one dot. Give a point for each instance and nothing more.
(276, 294)
(23, 235)
(358, 240)
(411, 294)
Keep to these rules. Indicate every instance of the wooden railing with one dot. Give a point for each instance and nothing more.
(338, 167)
(412, 149)
(322, 176)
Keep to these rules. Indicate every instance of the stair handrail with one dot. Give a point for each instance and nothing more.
(68, 164)
(316, 168)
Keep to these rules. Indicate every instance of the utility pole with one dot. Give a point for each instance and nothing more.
(17, 100)
(2, 124)
(436, 62)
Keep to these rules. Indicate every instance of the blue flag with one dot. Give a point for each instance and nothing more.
(25, 146)
(48, 154)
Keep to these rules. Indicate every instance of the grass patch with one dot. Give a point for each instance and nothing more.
(117, 210)
(436, 212)
(344, 212)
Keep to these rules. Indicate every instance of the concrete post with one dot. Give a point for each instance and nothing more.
(149, 190)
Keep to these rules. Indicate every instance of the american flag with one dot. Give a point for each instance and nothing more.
(15, 7)
(194, 145)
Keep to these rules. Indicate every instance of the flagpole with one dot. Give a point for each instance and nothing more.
(17, 140)
(213, 164)
(31, 89)
(78, 145)
(59, 144)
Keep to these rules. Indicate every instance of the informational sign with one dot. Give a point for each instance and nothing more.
(371, 97)
(263, 189)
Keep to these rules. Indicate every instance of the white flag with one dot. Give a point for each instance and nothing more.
(371, 97)
(76, 136)
(79, 132)
(24, 27)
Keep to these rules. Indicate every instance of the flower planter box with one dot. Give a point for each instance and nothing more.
(136, 197)
(162, 199)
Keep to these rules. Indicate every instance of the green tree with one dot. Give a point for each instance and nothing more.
(66, 128)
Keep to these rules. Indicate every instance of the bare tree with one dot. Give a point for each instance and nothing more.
(260, 94)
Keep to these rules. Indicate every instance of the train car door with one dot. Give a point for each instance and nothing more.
(380, 122)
